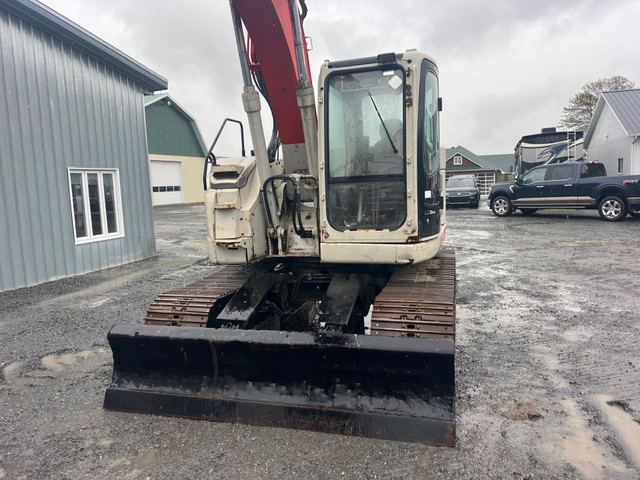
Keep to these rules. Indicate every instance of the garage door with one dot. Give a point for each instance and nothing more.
(166, 179)
(485, 180)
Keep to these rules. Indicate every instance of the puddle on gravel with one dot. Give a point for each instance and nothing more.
(99, 302)
(577, 334)
(625, 426)
(118, 281)
(479, 233)
(101, 287)
(58, 363)
(578, 243)
(582, 451)
(592, 459)
(567, 298)
(194, 244)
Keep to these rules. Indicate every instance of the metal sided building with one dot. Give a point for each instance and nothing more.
(612, 136)
(176, 152)
(74, 172)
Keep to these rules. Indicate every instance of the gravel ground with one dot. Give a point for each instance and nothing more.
(547, 360)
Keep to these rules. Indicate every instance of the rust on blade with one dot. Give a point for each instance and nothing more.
(419, 300)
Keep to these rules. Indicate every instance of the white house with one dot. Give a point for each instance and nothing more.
(612, 136)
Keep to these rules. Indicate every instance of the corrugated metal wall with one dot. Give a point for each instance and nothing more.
(610, 142)
(60, 108)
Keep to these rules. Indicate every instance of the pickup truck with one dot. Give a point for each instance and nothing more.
(568, 185)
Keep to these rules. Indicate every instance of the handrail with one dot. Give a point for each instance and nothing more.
(210, 158)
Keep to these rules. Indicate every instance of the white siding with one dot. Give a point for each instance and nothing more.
(635, 153)
(609, 143)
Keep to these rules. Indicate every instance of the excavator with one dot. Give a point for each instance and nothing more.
(332, 306)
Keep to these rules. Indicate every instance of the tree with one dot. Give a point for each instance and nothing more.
(577, 114)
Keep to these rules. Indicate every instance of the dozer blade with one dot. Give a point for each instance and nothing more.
(391, 388)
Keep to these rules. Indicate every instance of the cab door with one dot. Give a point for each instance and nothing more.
(429, 184)
(529, 190)
(561, 189)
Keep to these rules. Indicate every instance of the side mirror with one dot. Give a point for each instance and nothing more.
(518, 181)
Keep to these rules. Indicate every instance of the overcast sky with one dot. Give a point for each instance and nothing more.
(506, 67)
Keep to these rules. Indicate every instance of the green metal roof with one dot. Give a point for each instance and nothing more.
(464, 152)
(456, 168)
(503, 162)
(170, 129)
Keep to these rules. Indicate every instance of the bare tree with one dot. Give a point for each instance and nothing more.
(577, 114)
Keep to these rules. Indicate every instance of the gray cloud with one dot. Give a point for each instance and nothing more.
(507, 68)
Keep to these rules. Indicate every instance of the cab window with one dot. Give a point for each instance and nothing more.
(588, 170)
(430, 150)
(533, 176)
(561, 172)
(365, 155)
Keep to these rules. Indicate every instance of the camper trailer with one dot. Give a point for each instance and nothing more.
(548, 147)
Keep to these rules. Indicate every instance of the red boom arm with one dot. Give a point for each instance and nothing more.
(268, 23)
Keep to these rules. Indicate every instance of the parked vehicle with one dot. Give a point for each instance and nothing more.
(568, 185)
(547, 148)
(463, 190)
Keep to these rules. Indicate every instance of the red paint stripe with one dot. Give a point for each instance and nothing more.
(269, 27)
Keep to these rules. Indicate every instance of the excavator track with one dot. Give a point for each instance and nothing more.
(190, 306)
(397, 382)
(419, 300)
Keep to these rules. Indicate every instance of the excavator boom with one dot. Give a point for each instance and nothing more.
(271, 33)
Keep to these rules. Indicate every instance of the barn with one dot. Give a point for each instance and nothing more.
(176, 152)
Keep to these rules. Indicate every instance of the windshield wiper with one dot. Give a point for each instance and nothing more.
(386, 130)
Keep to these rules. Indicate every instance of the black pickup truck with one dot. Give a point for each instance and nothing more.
(568, 185)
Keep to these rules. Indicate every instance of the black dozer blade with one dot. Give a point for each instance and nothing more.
(382, 387)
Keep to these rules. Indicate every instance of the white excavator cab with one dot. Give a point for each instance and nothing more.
(381, 195)
(378, 193)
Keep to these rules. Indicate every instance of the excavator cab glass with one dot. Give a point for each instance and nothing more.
(429, 182)
(366, 178)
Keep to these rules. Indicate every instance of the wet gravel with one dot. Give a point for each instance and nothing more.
(548, 324)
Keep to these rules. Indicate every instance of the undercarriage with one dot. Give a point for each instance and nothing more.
(360, 350)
